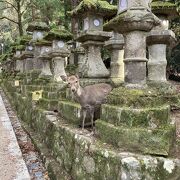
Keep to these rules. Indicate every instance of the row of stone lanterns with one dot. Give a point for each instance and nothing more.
(43, 49)
(139, 28)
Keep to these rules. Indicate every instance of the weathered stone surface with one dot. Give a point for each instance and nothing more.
(70, 111)
(94, 66)
(129, 117)
(157, 41)
(19, 66)
(115, 45)
(149, 97)
(147, 141)
(58, 68)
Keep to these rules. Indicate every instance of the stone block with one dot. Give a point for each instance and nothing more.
(146, 141)
(150, 97)
(128, 117)
(70, 111)
(47, 104)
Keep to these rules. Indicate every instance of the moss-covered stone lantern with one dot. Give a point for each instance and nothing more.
(92, 36)
(158, 39)
(134, 20)
(59, 38)
(28, 54)
(38, 28)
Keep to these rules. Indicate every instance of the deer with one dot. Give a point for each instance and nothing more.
(88, 97)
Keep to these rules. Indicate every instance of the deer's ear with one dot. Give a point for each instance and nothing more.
(64, 78)
(77, 76)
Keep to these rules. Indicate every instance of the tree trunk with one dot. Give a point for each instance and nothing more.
(20, 26)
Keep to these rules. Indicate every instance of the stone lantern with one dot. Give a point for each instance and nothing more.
(60, 52)
(116, 46)
(92, 36)
(158, 39)
(134, 20)
(27, 55)
(38, 29)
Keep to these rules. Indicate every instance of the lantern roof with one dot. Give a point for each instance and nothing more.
(59, 34)
(165, 7)
(100, 7)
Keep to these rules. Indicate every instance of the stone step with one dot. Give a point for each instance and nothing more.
(131, 117)
(50, 95)
(146, 141)
(48, 104)
(70, 111)
(140, 98)
(83, 155)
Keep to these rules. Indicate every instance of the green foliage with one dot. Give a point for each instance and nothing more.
(3, 57)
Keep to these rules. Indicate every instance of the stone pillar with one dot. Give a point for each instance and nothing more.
(58, 62)
(80, 51)
(116, 46)
(45, 71)
(135, 58)
(94, 66)
(19, 65)
(28, 56)
(157, 42)
(59, 69)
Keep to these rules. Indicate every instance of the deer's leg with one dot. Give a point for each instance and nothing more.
(84, 112)
(92, 116)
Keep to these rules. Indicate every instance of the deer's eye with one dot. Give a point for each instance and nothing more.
(76, 81)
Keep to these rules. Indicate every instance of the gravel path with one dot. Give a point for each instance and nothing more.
(31, 157)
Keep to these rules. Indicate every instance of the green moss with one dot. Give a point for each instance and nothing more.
(20, 47)
(58, 34)
(143, 140)
(98, 6)
(48, 104)
(3, 57)
(129, 117)
(70, 111)
(162, 4)
(43, 42)
(25, 39)
(150, 97)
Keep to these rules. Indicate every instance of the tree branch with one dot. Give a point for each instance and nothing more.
(9, 4)
(9, 19)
